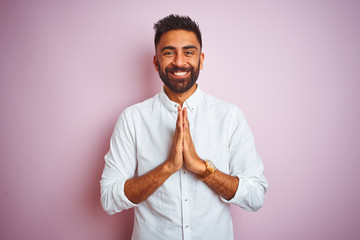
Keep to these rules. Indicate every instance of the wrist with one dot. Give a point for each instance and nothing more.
(169, 167)
(209, 169)
(201, 167)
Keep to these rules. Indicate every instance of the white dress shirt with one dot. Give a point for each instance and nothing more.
(184, 207)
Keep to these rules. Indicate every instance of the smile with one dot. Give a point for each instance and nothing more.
(180, 73)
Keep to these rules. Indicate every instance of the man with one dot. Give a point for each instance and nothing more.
(181, 157)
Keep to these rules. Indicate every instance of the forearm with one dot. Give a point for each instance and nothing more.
(223, 184)
(138, 189)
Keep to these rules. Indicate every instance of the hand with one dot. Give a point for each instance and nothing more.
(175, 159)
(192, 161)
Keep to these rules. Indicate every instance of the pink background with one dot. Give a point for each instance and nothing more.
(68, 69)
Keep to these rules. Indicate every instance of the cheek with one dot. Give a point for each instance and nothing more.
(162, 65)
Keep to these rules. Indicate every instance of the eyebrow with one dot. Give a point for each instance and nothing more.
(173, 48)
(190, 47)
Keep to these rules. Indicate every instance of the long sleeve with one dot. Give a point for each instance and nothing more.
(141, 141)
(246, 164)
(120, 165)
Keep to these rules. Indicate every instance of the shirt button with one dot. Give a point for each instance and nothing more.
(185, 200)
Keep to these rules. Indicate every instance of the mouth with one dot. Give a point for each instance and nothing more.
(180, 74)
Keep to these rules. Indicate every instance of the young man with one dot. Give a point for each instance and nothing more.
(181, 157)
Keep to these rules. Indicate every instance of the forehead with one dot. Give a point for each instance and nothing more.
(178, 39)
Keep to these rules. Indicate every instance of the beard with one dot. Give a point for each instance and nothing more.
(179, 85)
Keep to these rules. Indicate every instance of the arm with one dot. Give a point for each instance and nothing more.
(223, 184)
(246, 164)
(247, 186)
(120, 164)
(138, 189)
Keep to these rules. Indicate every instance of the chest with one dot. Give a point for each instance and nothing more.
(209, 132)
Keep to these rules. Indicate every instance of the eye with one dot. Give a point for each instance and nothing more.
(168, 53)
(189, 53)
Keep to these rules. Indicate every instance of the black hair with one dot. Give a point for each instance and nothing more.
(176, 22)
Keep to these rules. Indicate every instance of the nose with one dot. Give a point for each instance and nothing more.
(179, 60)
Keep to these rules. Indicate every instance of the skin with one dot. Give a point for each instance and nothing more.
(179, 48)
(178, 55)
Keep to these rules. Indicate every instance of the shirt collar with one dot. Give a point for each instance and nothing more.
(191, 103)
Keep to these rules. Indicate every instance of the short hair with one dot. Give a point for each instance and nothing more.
(176, 22)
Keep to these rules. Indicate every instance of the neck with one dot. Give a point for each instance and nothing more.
(179, 98)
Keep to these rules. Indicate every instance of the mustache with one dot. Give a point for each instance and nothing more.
(179, 69)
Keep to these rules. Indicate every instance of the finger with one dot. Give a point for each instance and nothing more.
(187, 135)
(181, 117)
(179, 126)
(186, 119)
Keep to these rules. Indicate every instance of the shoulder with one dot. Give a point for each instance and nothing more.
(142, 107)
(221, 105)
(135, 112)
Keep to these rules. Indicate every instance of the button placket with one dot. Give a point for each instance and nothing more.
(185, 204)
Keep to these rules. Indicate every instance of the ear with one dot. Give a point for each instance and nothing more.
(202, 56)
(155, 62)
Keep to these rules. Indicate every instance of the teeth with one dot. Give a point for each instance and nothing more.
(180, 73)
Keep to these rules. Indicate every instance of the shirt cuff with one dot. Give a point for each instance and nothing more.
(240, 193)
(120, 198)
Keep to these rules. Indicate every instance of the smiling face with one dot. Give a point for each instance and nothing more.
(178, 60)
